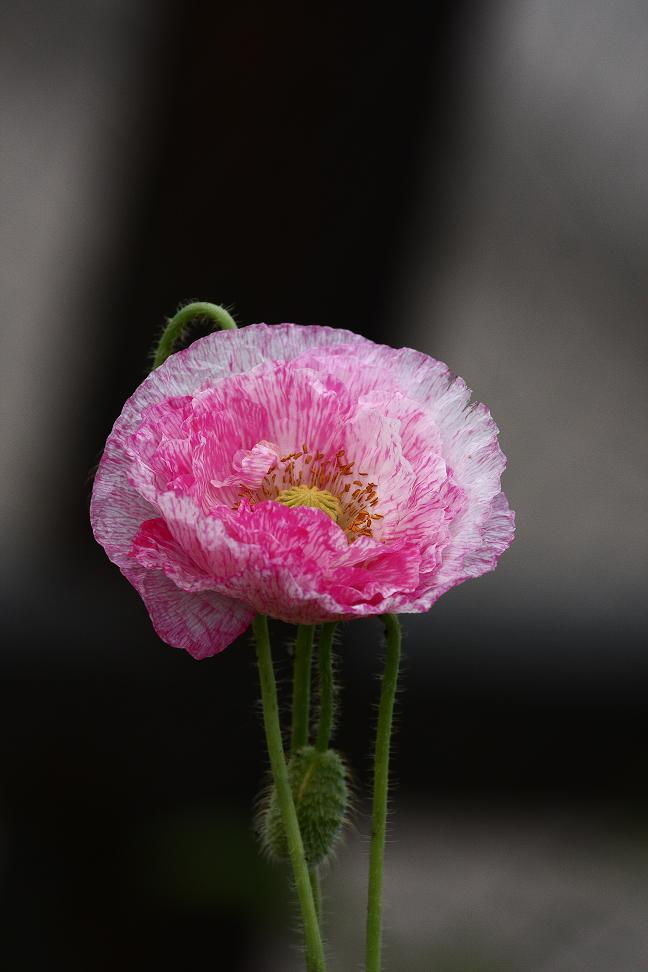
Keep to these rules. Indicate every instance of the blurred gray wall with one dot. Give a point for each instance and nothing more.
(72, 97)
(540, 296)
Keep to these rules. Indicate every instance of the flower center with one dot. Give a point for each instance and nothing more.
(313, 496)
(326, 481)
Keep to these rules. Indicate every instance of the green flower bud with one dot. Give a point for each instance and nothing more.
(320, 790)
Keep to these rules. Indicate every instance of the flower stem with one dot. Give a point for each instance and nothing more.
(381, 782)
(315, 960)
(176, 325)
(317, 893)
(301, 687)
(326, 688)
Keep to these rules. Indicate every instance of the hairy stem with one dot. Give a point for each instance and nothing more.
(301, 687)
(326, 688)
(317, 893)
(315, 960)
(381, 782)
(176, 325)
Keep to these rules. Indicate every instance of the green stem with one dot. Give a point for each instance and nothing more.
(301, 687)
(314, 949)
(317, 893)
(381, 782)
(326, 688)
(176, 325)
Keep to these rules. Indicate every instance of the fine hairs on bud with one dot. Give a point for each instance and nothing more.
(319, 783)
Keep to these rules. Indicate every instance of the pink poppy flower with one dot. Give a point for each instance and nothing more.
(300, 472)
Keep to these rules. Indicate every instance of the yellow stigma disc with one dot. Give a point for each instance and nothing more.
(320, 499)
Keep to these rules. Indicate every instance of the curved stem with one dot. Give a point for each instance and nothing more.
(314, 949)
(326, 688)
(301, 687)
(381, 782)
(176, 325)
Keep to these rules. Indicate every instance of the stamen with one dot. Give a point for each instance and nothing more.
(323, 481)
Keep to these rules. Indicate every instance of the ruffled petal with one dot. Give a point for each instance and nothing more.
(294, 564)
(497, 535)
(203, 624)
(470, 448)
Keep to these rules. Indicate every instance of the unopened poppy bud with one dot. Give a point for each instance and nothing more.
(320, 790)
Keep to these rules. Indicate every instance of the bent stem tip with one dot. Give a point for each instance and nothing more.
(176, 325)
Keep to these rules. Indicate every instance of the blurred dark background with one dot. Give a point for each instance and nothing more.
(466, 178)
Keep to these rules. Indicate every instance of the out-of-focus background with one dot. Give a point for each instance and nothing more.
(470, 179)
